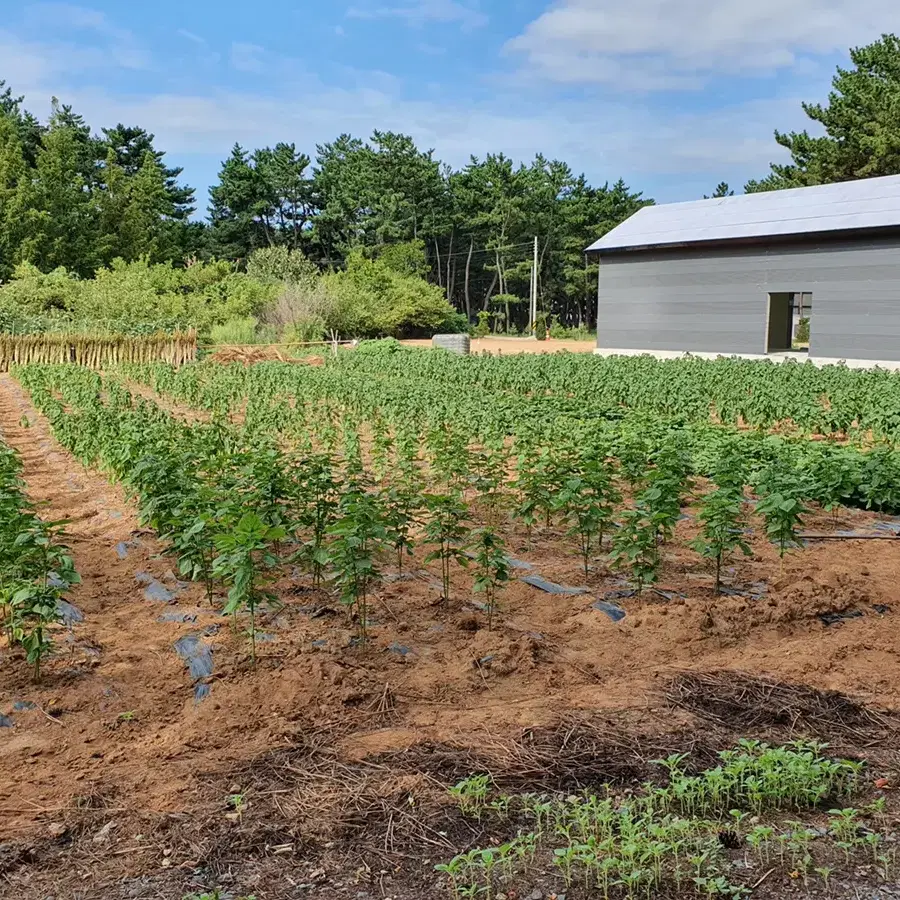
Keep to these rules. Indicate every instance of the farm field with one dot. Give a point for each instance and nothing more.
(369, 629)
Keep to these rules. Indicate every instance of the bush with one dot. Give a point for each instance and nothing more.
(234, 331)
(483, 328)
(281, 265)
(540, 326)
(281, 292)
(802, 336)
(304, 331)
(302, 312)
(132, 298)
(575, 333)
(406, 258)
(371, 299)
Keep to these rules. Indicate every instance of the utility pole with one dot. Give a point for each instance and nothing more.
(534, 289)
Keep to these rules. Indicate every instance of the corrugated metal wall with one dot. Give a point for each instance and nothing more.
(716, 300)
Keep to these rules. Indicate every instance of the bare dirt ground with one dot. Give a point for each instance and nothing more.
(119, 783)
(504, 345)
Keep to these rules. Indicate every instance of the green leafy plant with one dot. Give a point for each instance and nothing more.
(244, 564)
(492, 568)
(783, 514)
(472, 793)
(401, 509)
(315, 494)
(635, 547)
(445, 530)
(358, 538)
(722, 533)
(36, 567)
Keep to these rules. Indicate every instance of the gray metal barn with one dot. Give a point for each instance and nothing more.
(734, 275)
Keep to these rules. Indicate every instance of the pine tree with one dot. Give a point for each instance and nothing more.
(133, 211)
(13, 183)
(861, 121)
(61, 221)
(28, 129)
(240, 210)
(130, 146)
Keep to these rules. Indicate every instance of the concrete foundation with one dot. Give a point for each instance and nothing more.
(891, 365)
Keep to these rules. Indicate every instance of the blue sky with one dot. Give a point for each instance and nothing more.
(672, 95)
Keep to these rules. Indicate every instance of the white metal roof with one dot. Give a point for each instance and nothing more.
(867, 203)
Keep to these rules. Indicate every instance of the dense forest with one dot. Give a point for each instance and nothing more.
(363, 216)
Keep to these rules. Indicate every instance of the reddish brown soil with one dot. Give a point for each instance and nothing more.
(508, 345)
(118, 738)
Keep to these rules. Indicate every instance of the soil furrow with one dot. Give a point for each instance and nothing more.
(115, 668)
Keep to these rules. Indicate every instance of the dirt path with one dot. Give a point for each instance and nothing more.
(511, 345)
(114, 671)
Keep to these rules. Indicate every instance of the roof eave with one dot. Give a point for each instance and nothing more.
(754, 240)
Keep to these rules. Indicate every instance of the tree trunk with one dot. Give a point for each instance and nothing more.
(490, 292)
(451, 280)
(449, 257)
(468, 272)
(437, 251)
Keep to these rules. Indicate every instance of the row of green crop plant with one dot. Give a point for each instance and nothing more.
(680, 839)
(238, 509)
(283, 398)
(576, 478)
(432, 486)
(820, 399)
(224, 497)
(36, 567)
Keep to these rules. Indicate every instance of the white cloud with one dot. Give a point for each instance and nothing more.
(604, 135)
(30, 64)
(119, 43)
(423, 12)
(657, 44)
(247, 57)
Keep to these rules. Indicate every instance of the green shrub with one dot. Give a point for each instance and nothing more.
(281, 290)
(802, 336)
(406, 258)
(483, 328)
(281, 265)
(561, 332)
(304, 331)
(235, 331)
(371, 299)
(132, 298)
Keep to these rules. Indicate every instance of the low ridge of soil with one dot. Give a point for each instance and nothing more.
(115, 778)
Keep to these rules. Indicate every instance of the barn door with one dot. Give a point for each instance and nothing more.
(780, 323)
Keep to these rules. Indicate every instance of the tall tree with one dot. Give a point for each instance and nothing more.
(722, 190)
(288, 189)
(239, 208)
(130, 145)
(377, 193)
(263, 199)
(861, 121)
(27, 127)
(135, 212)
(61, 224)
(13, 194)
